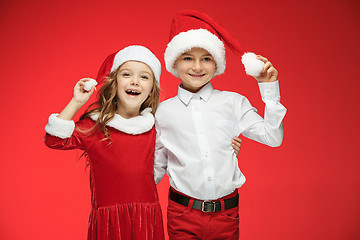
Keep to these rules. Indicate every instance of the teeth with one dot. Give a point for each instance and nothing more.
(132, 92)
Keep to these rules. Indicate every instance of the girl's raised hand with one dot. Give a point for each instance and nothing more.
(80, 95)
(269, 73)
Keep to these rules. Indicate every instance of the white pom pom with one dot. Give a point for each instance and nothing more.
(88, 84)
(253, 66)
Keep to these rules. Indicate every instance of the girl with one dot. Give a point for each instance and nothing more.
(118, 138)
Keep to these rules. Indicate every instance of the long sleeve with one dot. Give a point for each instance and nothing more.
(61, 134)
(267, 130)
(161, 156)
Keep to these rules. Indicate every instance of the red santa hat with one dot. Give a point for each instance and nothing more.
(191, 28)
(130, 53)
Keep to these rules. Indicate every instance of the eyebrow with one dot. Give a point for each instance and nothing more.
(188, 54)
(146, 72)
(127, 69)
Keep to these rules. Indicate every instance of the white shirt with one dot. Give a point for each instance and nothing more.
(194, 135)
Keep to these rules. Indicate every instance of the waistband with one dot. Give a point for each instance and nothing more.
(205, 206)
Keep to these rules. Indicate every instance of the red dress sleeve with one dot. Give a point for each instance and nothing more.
(73, 142)
(65, 135)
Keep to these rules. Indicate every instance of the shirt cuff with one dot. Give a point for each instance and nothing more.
(59, 127)
(270, 90)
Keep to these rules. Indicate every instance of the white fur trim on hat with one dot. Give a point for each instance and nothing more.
(253, 66)
(201, 38)
(59, 127)
(140, 54)
(136, 125)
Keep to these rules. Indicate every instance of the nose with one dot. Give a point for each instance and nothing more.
(134, 81)
(197, 65)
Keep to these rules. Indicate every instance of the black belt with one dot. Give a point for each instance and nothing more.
(205, 206)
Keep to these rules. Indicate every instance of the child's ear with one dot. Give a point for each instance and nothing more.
(174, 65)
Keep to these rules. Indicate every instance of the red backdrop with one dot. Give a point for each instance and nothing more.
(309, 188)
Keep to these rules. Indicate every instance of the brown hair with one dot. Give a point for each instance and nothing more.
(106, 106)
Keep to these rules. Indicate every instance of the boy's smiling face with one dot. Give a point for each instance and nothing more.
(195, 68)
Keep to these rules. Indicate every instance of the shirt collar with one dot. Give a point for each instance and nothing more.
(204, 93)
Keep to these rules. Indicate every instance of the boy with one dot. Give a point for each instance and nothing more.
(195, 127)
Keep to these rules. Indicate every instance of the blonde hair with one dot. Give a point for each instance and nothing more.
(106, 106)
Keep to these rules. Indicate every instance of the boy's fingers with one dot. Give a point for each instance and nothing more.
(272, 70)
(267, 66)
(264, 59)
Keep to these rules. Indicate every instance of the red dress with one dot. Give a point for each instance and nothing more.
(124, 197)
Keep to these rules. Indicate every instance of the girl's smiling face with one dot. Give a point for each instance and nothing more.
(134, 84)
(195, 68)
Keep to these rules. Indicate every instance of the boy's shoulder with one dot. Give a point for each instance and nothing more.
(169, 101)
(227, 94)
(218, 94)
(228, 98)
(166, 104)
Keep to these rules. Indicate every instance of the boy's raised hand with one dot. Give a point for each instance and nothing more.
(269, 73)
(80, 95)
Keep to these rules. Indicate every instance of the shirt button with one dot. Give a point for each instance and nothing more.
(209, 178)
(206, 154)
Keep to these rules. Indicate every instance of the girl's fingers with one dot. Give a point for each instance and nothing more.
(236, 144)
(236, 149)
(85, 79)
(93, 88)
(237, 141)
(82, 81)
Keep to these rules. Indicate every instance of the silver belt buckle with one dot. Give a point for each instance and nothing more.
(203, 206)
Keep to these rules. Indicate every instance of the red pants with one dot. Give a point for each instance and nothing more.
(186, 223)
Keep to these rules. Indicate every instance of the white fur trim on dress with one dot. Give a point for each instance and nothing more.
(201, 38)
(59, 127)
(253, 66)
(140, 54)
(136, 125)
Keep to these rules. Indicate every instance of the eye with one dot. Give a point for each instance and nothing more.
(206, 59)
(145, 77)
(125, 74)
(187, 58)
